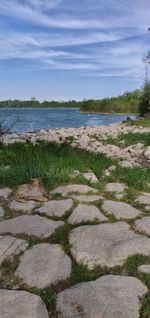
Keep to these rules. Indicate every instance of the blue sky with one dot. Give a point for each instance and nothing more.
(65, 49)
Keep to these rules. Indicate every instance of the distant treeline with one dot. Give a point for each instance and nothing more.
(35, 103)
(126, 103)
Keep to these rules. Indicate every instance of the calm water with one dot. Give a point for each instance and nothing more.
(43, 118)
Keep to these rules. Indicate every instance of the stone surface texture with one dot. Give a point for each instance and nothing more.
(120, 210)
(21, 304)
(106, 244)
(73, 188)
(33, 191)
(88, 198)
(30, 225)
(56, 208)
(116, 187)
(5, 192)
(143, 225)
(1, 212)
(145, 269)
(107, 297)
(43, 265)
(10, 246)
(23, 206)
(144, 198)
(86, 213)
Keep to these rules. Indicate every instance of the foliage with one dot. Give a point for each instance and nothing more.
(35, 103)
(145, 99)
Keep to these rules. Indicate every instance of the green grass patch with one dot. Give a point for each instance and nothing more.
(130, 139)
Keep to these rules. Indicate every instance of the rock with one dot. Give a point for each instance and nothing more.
(106, 244)
(33, 191)
(125, 164)
(145, 269)
(86, 213)
(10, 246)
(147, 208)
(73, 188)
(147, 152)
(1, 212)
(43, 265)
(87, 198)
(30, 225)
(83, 141)
(119, 196)
(112, 168)
(143, 225)
(56, 208)
(90, 176)
(144, 198)
(27, 206)
(109, 296)
(21, 304)
(5, 192)
(120, 210)
(116, 187)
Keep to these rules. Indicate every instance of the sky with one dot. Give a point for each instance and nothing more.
(66, 49)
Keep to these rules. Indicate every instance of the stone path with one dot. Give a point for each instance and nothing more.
(46, 242)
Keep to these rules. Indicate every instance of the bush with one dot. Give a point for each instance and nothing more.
(145, 100)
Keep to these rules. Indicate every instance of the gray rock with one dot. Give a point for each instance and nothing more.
(21, 304)
(125, 164)
(30, 225)
(143, 225)
(56, 208)
(43, 265)
(119, 196)
(5, 192)
(10, 246)
(87, 198)
(90, 176)
(73, 188)
(1, 212)
(147, 152)
(147, 208)
(106, 244)
(144, 198)
(86, 213)
(27, 206)
(145, 269)
(116, 187)
(108, 297)
(120, 210)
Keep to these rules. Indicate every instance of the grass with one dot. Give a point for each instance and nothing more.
(130, 139)
(144, 122)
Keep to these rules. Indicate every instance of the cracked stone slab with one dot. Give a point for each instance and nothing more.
(120, 210)
(144, 198)
(145, 269)
(73, 188)
(86, 213)
(21, 304)
(56, 207)
(5, 192)
(1, 212)
(87, 198)
(116, 187)
(10, 246)
(43, 265)
(143, 225)
(33, 191)
(107, 244)
(30, 225)
(110, 296)
(27, 206)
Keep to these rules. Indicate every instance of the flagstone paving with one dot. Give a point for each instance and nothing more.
(86, 213)
(120, 210)
(30, 225)
(49, 253)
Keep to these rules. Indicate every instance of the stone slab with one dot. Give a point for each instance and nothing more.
(88, 198)
(143, 225)
(120, 210)
(1, 212)
(5, 192)
(43, 265)
(30, 225)
(107, 244)
(116, 187)
(144, 198)
(33, 191)
(145, 269)
(56, 207)
(86, 213)
(27, 206)
(21, 304)
(73, 188)
(107, 297)
(10, 246)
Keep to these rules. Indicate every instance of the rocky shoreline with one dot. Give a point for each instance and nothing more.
(92, 139)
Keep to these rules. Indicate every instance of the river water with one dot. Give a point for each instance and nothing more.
(27, 119)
